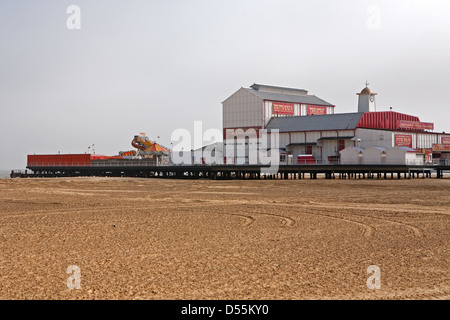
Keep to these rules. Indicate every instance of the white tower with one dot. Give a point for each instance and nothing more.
(366, 101)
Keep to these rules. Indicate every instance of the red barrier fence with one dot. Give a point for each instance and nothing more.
(71, 160)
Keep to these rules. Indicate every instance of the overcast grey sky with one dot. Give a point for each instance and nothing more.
(155, 66)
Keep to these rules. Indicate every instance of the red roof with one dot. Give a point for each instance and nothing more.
(384, 120)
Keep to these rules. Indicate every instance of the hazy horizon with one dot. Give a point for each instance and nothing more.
(155, 66)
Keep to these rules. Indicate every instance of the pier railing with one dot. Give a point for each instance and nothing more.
(144, 163)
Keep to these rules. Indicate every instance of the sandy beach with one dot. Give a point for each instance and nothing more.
(204, 239)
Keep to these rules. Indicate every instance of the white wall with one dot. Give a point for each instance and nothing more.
(425, 140)
(328, 148)
(364, 103)
(447, 135)
(371, 138)
(297, 137)
(284, 139)
(385, 138)
(242, 109)
(312, 136)
(373, 155)
(349, 155)
(397, 155)
(394, 155)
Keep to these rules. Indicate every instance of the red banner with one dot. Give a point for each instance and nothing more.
(441, 147)
(317, 110)
(127, 153)
(445, 140)
(403, 140)
(415, 125)
(283, 108)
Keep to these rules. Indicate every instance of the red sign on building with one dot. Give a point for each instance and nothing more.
(415, 125)
(317, 110)
(445, 140)
(441, 147)
(403, 140)
(283, 108)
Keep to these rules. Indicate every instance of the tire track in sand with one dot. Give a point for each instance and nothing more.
(416, 231)
(368, 229)
(247, 220)
(44, 212)
(285, 221)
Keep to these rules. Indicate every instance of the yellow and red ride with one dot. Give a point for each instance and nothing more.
(143, 143)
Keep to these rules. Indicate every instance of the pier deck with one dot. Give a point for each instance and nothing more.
(331, 171)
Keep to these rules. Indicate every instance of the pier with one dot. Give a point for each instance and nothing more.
(330, 171)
